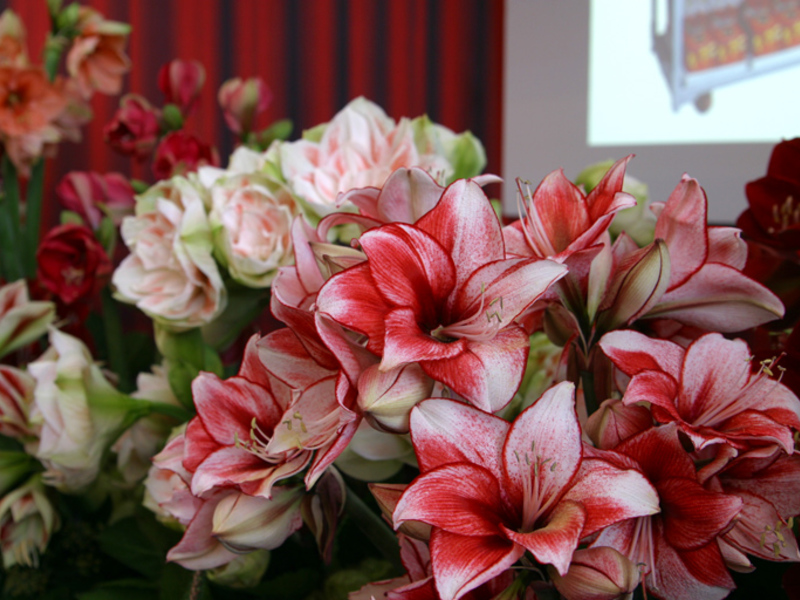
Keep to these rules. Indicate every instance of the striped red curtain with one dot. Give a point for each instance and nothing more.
(440, 57)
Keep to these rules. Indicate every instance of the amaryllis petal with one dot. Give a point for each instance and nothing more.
(198, 443)
(227, 408)
(633, 352)
(227, 466)
(407, 195)
(610, 494)
(465, 224)
(692, 516)
(712, 375)
(486, 373)
(655, 387)
(503, 289)
(460, 498)
(726, 246)
(560, 214)
(409, 268)
(198, 550)
(289, 360)
(607, 196)
(719, 298)
(750, 425)
(243, 523)
(554, 543)
(699, 574)
(543, 450)
(352, 299)
(405, 342)
(446, 432)
(462, 563)
(682, 225)
(779, 482)
(759, 530)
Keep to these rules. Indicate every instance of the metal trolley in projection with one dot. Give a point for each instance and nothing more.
(705, 44)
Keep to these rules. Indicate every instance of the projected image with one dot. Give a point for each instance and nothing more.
(693, 71)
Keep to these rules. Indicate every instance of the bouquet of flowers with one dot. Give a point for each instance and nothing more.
(333, 369)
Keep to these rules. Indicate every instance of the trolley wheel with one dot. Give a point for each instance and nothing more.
(702, 103)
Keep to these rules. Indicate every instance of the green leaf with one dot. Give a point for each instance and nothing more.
(33, 216)
(295, 584)
(279, 130)
(123, 589)
(171, 117)
(127, 542)
(176, 584)
(68, 217)
(180, 376)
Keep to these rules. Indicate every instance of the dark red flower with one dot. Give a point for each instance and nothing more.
(773, 218)
(134, 129)
(181, 152)
(72, 263)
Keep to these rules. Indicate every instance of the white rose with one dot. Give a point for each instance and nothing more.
(252, 220)
(171, 274)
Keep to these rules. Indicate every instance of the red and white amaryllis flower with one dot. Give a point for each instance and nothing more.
(706, 286)
(709, 389)
(561, 220)
(677, 548)
(493, 490)
(441, 293)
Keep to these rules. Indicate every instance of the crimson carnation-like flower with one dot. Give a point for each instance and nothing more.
(72, 263)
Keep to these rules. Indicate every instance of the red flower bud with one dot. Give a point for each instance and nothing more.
(243, 101)
(181, 82)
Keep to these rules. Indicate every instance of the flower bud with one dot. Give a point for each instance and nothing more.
(597, 574)
(181, 81)
(79, 413)
(387, 495)
(243, 101)
(387, 397)
(322, 508)
(334, 258)
(614, 422)
(242, 523)
(21, 321)
(641, 279)
(27, 520)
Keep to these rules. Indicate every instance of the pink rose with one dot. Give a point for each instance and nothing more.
(359, 148)
(134, 129)
(180, 153)
(170, 273)
(252, 220)
(86, 192)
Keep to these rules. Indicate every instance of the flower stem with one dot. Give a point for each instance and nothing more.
(589, 396)
(10, 223)
(33, 217)
(114, 340)
(374, 528)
